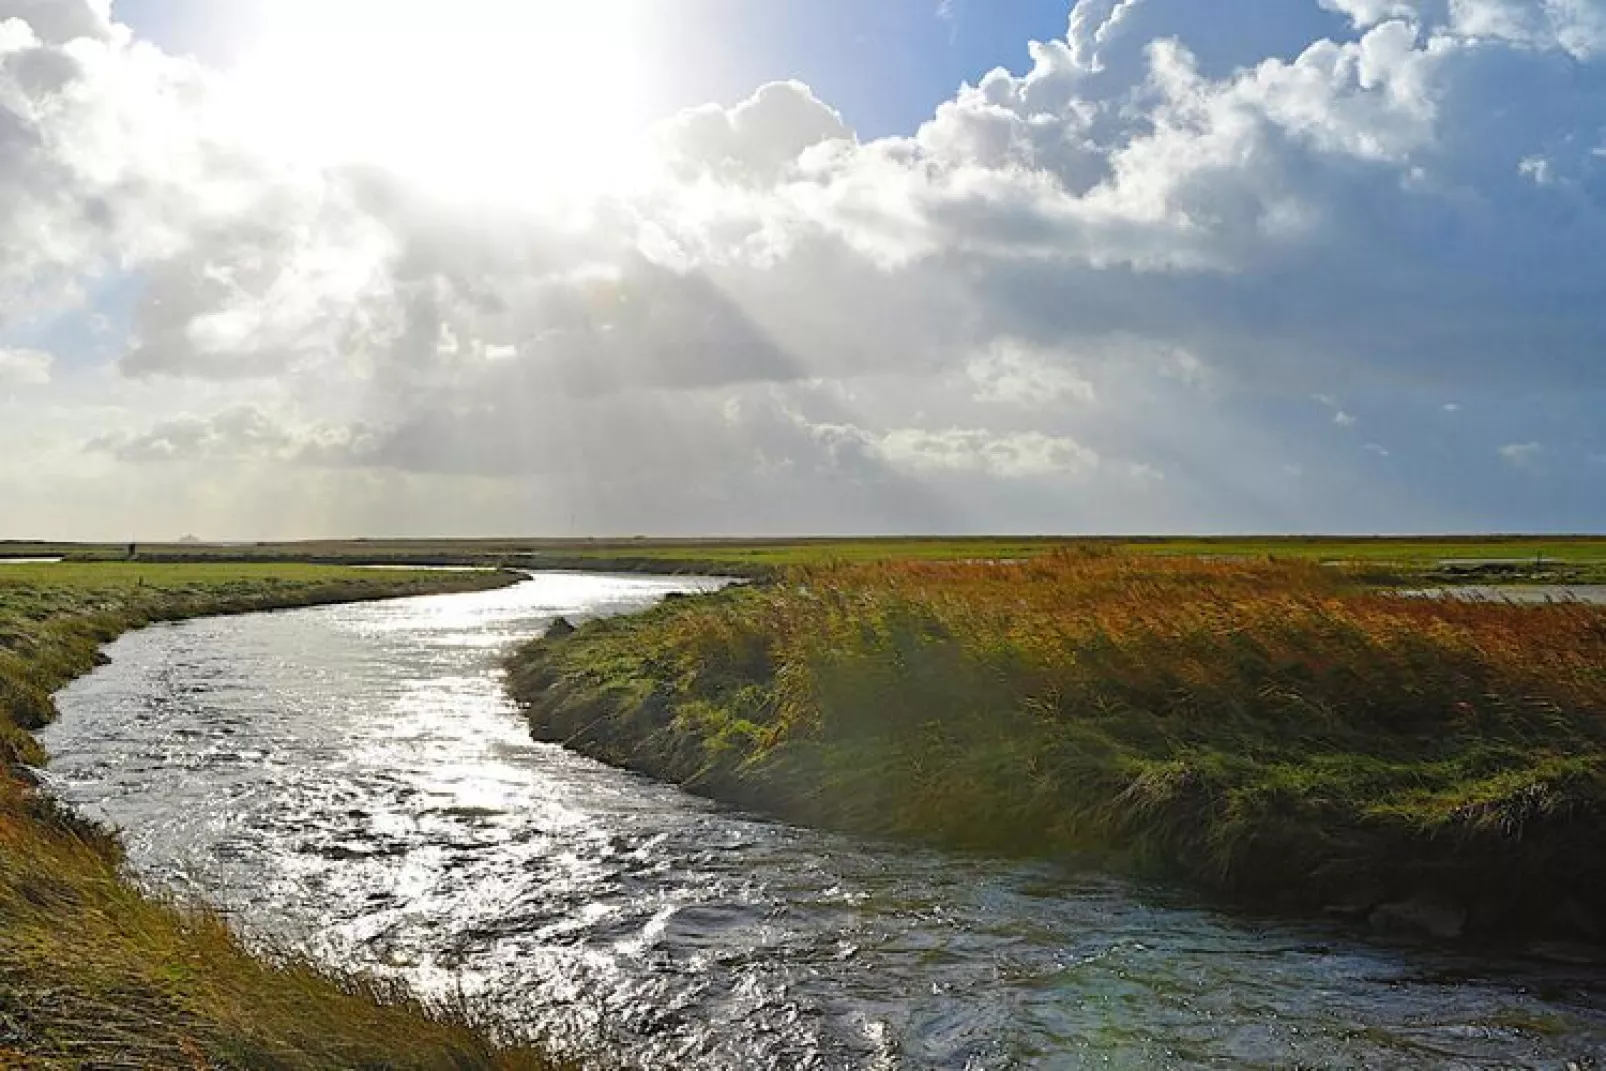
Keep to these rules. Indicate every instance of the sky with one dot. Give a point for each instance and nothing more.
(323, 268)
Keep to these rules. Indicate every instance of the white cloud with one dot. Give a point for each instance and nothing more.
(1014, 455)
(758, 140)
(1368, 13)
(1522, 455)
(1014, 373)
(1093, 25)
(24, 368)
(1186, 195)
(1575, 26)
(1188, 241)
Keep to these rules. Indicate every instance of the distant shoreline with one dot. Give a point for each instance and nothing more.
(1424, 559)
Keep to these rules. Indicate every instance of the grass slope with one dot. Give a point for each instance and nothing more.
(1269, 729)
(95, 974)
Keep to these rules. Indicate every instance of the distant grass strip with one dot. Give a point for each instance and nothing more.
(1269, 729)
(1485, 557)
(94, 973)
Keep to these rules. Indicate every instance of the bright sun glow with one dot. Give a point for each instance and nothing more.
(514, 99)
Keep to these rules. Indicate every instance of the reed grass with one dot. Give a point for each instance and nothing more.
(1271, 729)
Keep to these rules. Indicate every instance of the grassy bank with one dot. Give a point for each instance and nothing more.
(95, 974)
(1268, 729)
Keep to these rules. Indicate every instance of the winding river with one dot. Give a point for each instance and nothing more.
(353, 782)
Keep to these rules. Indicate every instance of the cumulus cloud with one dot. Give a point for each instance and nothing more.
(1174, 219)
(1234, 212)
(758, 140)
(1575, 26)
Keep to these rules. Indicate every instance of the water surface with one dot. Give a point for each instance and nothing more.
(352, 779)
(1518, 593)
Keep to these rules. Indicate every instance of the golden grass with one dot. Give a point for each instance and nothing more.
(1269, 728)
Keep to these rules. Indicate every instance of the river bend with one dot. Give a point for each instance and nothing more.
(353, 782)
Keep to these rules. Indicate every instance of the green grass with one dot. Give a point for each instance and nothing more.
(1273, 730)
(94, 973)
(1557, 556)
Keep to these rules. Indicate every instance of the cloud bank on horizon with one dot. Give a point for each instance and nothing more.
(1166, 277)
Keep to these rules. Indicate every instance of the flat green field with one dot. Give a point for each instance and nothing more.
(202, 576)
(1403, 549)
(1579, 554)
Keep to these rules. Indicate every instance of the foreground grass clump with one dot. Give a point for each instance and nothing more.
(94, 973)
(1268, 729)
